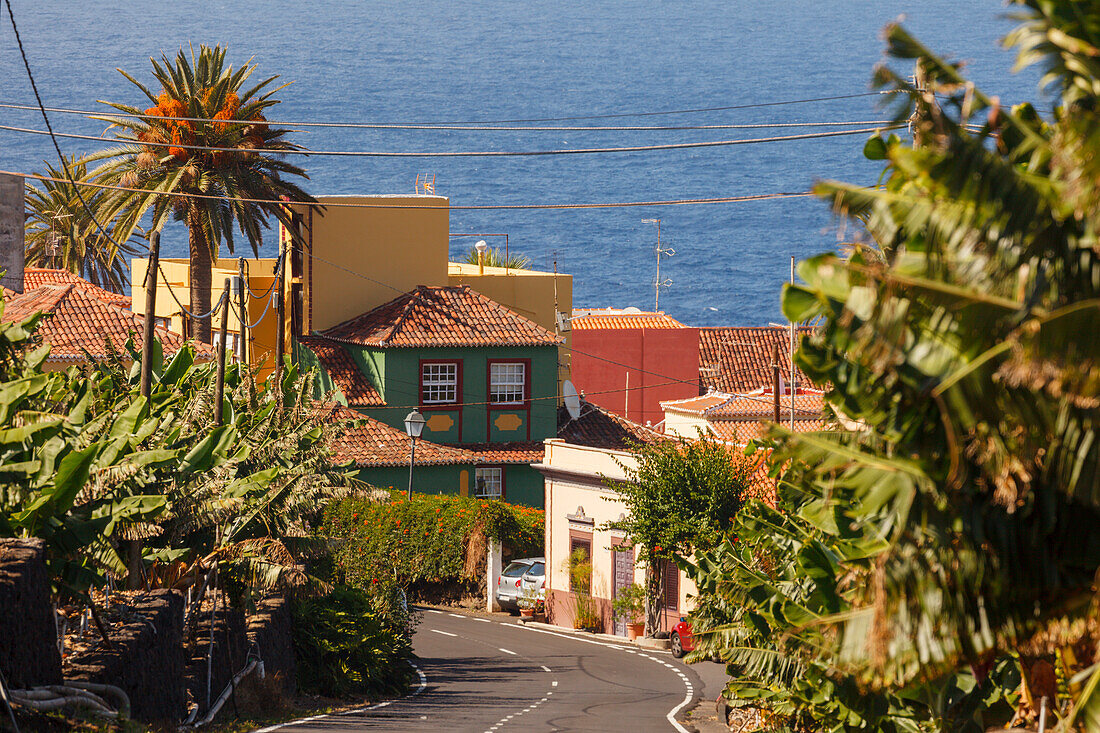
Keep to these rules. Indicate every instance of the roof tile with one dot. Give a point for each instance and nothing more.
(595, 427)
(739, 359)
(371, 443)
(587, 319)
(78, 321)
(36, 277)
(343, 370)
(441, 316)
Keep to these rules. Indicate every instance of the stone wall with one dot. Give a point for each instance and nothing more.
(28, 634)
(147, 661)
(230, 652)
(269, 629)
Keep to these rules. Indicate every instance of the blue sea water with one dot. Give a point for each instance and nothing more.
(440, 61)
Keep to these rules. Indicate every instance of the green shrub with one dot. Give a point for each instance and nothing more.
(351, 642)
(429, 539)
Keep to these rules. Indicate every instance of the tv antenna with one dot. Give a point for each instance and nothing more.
(425, 184)
(658, 283)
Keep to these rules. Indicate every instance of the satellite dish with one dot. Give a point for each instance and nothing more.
(572, 399)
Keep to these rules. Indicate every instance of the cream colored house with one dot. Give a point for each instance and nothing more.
(588, 452)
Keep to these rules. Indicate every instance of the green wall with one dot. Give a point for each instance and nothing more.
(401, 388)
(523, 484)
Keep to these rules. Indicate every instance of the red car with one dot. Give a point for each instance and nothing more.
(680, 639)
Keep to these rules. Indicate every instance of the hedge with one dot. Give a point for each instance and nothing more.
(428, 539)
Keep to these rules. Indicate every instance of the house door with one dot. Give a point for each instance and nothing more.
(624, 576)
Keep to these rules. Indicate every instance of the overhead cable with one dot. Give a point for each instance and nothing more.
(440, 207)
(463, 153)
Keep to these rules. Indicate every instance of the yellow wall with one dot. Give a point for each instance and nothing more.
(393, 240)
(175, 273)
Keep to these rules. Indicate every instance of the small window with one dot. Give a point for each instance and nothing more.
(507, 383)
(537, 569)
(439, 383)
(671, 583)
(515, 569)
(489, 483)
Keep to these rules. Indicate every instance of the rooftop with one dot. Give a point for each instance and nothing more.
(345, 373)
(756, 405)
(598, 428)
(441, 316)
(739, 358)
(78, 322)
(370, 443)
(585, 319)
(36, 277)
(742, 431)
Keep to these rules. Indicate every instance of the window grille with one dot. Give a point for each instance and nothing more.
(506, 383)
(439, 383)
(489, 483)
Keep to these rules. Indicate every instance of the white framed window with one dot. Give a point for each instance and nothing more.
(439, 383)
(507, 383)
(489, 483)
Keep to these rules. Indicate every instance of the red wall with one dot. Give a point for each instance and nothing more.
(602, 359)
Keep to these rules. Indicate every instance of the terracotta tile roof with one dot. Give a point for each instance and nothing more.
(514, 452)
(36, 277)
(79, 321)
(371, 443)
(585, 319)
(696, 405)
(598, 428)
(742, 431)
(739, 359)
(441, 316)
(757, 405)
(344, 372)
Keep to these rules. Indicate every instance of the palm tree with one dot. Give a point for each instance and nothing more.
(493, 257)
(202, 103)
(60, 232)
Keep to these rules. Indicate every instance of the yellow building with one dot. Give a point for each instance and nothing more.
(351, 256)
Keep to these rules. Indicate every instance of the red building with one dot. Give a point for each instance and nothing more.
(628, 361)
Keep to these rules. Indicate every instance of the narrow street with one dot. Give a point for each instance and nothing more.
(490, 674)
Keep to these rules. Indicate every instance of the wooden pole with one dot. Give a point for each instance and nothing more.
(280, 316)
(775, 378)
(153, 265)
(219, 388)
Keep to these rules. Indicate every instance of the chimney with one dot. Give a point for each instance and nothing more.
(12, 218)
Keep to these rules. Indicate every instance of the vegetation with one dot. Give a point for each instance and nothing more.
(579, 568)
(387, 540)
(345, 645)
(60, 232)
(934, 567)
(682, 495)
(202, 103)
(496, 257)
(628, 605)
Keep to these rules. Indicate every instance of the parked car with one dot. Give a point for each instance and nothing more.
(520, 575)
(681, 639)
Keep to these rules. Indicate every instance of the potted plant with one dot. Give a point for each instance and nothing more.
(579, 567)
(628, 606)
(528, 602)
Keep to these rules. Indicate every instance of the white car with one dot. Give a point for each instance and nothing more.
(518, 577)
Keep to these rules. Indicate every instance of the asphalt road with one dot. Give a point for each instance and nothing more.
(491, 674)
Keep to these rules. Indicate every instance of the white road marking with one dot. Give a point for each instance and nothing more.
(482, 620)
(545, 668)
(445, 633)
(432, 610)
(456, 615)
(508, 651)
(554, 683)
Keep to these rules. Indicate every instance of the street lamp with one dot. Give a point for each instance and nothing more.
(414, 426)
(481, 246)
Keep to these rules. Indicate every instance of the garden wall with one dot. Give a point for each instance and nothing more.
(269, 629)
(147, 661)
(28, 634)
(230, 651)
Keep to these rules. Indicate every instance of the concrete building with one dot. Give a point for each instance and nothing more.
(739, 418)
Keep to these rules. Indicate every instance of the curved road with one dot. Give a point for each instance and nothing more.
(488, 674)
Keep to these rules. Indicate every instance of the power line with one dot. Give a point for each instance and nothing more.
(617, 115)
(483, 127)
(441, 207)
(466, 153)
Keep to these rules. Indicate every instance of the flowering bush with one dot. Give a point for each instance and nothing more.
(429, 539)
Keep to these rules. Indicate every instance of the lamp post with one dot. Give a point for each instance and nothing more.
(481, 246)
(414, 425)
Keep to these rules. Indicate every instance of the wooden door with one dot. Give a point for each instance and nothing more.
(624, 576)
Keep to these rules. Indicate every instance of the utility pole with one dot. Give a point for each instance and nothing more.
(243, 305)
(667, 252)
(223, 335)
(153, 265)
(793, 385)
(775, 378)
(280, 315)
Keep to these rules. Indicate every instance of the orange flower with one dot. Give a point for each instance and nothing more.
(223, 115)
(153, 111)
(175, 151)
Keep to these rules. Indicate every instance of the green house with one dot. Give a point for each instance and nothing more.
(483, 376)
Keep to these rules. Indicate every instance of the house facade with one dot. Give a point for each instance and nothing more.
(581, 468)
(484, 377)
(739, 418)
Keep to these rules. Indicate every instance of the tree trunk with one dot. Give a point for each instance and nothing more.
(202, 264)
(652, 598)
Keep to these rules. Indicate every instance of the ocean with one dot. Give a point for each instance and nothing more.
(437, 62)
